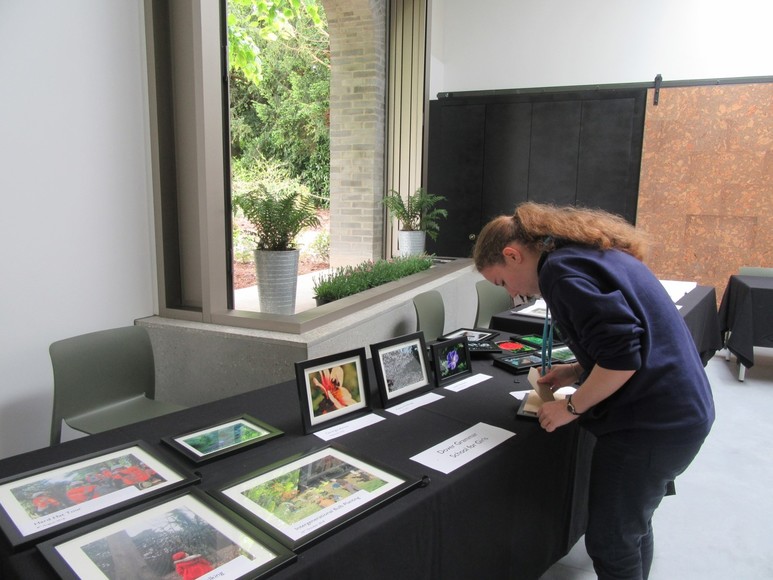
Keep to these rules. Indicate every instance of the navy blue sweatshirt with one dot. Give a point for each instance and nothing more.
(612, 311)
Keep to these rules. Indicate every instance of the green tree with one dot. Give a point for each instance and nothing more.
(280, 86)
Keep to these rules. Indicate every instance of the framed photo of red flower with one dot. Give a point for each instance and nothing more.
(451, 360)
(332, 389)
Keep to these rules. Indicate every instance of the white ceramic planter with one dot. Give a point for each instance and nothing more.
(411, 243)
(277, 280)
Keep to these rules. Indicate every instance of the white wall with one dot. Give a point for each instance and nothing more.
(506, 44)
(75, 225)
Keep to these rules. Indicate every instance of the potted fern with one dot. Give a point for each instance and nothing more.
(278, 212)
(417, 218)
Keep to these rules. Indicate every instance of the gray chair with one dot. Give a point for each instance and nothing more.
(492, 299)
(104, 380)
(430, 314)
(755, 271)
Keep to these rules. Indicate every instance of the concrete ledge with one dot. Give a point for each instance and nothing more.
(199, 362)
(317, 317)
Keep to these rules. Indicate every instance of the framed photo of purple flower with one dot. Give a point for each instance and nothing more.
(451, 360)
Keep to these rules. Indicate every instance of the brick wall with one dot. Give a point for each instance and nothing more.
(357, 31)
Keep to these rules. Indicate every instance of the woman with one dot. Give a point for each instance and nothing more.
(643, 391)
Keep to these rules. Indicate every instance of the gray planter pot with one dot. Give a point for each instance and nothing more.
(277, 280)
(411, 243)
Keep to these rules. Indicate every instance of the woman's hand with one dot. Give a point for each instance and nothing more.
(554, 414)
(559, 376)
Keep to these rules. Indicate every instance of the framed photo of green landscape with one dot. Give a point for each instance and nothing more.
(222, 438)
(304, 497)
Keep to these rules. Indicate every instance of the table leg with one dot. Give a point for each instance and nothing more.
(741, 371)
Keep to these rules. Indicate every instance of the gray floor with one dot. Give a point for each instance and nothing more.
(720, 523)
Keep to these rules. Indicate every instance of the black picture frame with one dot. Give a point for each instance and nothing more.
(317, 379)
(534, 340)
(51, 499)
(472, 334)
(562, 354)
(222, 438)
(517, 363)
(516, 346)
(451, 360)
(232, 547)
(322, 490)
(526, 408)
(402, 368)
(483, 348)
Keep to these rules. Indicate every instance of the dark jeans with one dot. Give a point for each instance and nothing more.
(627, 483)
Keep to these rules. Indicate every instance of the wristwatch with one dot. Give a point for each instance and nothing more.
(570, 406)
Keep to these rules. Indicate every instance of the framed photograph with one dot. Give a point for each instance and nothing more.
(332, 389)
(451, 360)
(306, 497)
(483, 348)
(534, 340)
(517, 363)
(529, 406)
(515, 346)
(402, 369)
(563, 354)
(38, 503)
(472, 334)
(530, 339)
(222, 438)
(185, 536)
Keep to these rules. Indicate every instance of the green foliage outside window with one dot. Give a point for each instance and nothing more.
(280, 88)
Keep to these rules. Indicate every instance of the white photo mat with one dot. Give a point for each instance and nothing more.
(17, 505)
(358, 485)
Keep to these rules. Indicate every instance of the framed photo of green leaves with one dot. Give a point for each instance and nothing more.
(222, 438)
(451, 360)
(305, 497)
(183, 536)
(48, 500)
(332, 389)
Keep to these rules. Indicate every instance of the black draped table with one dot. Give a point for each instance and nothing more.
(698, 308)
(510, 513)
(746, 313)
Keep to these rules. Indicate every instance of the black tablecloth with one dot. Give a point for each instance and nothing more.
(698, 308)
(511, 513)
(746, 312)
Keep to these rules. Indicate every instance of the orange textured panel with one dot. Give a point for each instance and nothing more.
(706, 185)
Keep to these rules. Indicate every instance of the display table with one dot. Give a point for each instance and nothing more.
(698, 308)
(746, 317)
(511, 513)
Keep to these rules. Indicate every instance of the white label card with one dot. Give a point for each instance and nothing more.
(463, 448)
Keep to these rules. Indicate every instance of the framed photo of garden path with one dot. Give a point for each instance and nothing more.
(39, 503)
(305, 497)
(222, 438)
(332, 389)
(186, 535)
(402, 368)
